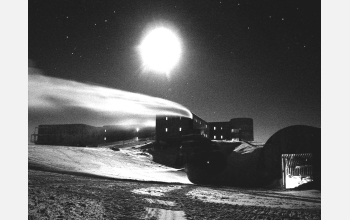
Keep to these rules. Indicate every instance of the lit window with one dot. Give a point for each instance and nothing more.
(221, 136)
(221, 128)
(180, 129)
(166, 129)
(137, 138)
(214, 128)
(206, 126)
(214, 137)
(231, 130)
(166, 118)
(105, 130)
(105, 138)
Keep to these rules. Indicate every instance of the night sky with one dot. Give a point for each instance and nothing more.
(258, 59)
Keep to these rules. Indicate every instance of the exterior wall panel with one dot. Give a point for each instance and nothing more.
(68, 135)
(174, 127)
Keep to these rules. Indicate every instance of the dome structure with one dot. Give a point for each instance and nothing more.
(296, 139)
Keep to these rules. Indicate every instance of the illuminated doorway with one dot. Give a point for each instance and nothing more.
(296, 169)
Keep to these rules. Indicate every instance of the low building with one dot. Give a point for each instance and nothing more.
(67, 135)
(86, 135)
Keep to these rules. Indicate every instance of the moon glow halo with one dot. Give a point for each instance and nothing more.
(160, 50)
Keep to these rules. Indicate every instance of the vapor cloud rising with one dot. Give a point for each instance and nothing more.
(57, 95)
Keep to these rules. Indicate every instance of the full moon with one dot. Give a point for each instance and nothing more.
(160, 50)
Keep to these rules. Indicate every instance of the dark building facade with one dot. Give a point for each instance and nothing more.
(68, 135)
(242, 129)
(174, 127)
(219, 130)
(86, 135)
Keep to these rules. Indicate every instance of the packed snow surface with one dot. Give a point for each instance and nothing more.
(128, 163)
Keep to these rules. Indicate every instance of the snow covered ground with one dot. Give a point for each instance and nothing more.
(128, 163)
(150, 200)
(294, 181)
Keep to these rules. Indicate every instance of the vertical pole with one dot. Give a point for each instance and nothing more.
(283, 172)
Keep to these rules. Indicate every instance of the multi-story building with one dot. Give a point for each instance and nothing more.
(168, 128)
(174, 127)
(218, 130)
(241, 129)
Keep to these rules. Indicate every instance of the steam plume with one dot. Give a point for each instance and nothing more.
(58, 95)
